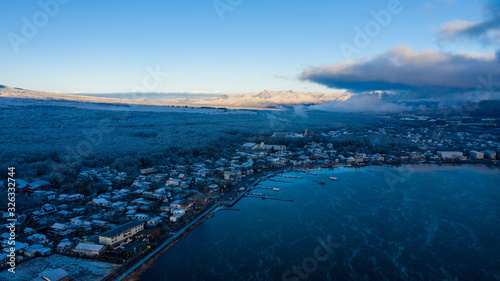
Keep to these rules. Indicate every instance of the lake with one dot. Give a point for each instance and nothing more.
(420, 222)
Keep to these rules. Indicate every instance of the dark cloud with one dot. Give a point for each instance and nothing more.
(423, 73)
(487, 31)
(406, 79)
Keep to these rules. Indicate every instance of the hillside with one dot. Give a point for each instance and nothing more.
(484, 108)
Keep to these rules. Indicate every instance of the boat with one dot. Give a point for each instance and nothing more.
(333, 178)
(321, 182)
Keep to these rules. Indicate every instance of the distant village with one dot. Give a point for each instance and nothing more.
(130, 214)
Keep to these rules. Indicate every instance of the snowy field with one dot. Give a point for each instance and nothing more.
(79, 269)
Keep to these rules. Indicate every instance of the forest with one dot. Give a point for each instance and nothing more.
(55, 143)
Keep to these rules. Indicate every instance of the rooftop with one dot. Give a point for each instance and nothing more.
(120, 229)
(56, 274)
(89, 247)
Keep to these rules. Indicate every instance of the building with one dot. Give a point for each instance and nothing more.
(141, 217)
(121, 233)
(490, 154)
(450, 154)
(249, 145)
(88, 250)
(154, 221)
(74, 197)
(476, 155)
(100, 202)
(176, 204)
(64, 246)
(60, 229)
(37, 185)
(38, 238)
(176, 217)
(58, 274)
(148, 171)
(272, 147)
(35, 249)
(173, 182)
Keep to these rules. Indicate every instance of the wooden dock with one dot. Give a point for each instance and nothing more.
(281, 181)
(290, 177)
(267, 188)
(266, 196)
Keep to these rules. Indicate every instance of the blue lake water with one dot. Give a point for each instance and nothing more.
(422, 222)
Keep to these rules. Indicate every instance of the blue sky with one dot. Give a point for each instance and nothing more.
(106, 46)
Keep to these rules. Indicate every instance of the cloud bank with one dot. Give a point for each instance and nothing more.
(414, 76)
(402, 68)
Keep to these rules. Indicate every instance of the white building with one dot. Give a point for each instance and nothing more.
(141, 217)
(89, 250)
(176, 217)
(490, 154)
(176, 204)
(58, 274)
(476, 155)
(121, 233)
(154, 221)
(450, 154)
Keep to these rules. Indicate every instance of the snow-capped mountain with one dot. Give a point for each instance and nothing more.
(266, 99)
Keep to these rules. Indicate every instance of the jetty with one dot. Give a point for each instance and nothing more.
(309, 173)
(266, 196)
(281, 181)
(290, 177)
(267, 187)
(230, 209)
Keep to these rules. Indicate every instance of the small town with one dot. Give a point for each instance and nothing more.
(123, 217)
(245, 140)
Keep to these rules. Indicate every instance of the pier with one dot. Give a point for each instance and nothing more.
(309, 173)
(266, 196)
(290, 177)
(267, 187)
(281, 181)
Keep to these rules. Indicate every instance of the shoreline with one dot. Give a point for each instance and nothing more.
(135, 274)
(144, 263)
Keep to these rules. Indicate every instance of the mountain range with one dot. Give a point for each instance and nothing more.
(262, 100)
